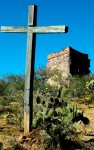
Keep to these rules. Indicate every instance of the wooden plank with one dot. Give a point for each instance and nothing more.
(28, 96)
(32, 11)
(42, 29)
(48, 29)
(14, 29)
(31, 15)
(28, 91)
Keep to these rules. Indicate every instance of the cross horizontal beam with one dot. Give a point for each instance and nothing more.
(42, 29)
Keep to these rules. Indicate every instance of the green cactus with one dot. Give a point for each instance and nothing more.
(54, 117)
(50, 113)
(34, 124)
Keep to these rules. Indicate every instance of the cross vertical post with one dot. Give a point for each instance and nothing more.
(30, 57)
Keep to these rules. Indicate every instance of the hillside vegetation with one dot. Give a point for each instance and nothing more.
(61, 114)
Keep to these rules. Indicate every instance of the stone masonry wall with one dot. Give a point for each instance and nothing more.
(70, 62)
(61, 61)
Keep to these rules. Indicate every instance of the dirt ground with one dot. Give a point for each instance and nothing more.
(9, 133)
(86, 132)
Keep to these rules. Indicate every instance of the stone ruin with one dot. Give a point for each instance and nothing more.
(70, 62)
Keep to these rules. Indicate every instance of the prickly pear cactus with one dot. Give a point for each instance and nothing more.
(54, 116)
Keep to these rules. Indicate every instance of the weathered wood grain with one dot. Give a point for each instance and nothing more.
(42, 29)
(29, 75)
(31, 15)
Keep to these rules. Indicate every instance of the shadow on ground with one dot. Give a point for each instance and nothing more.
(77, 145)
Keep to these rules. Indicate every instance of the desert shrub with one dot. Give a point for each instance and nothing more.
(16, 114)
(39, 79)
(3, 86)
(56, 77)
(72, 86)
(15, 84)
(41, 85)
(11, 84)
(11, 100)
(42, 76)
(77, 87)
(5, 101)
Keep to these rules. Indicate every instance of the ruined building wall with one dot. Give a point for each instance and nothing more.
(79, 63)
(70, 62)
(60, 61)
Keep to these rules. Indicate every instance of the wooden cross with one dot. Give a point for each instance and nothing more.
(31, 31)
